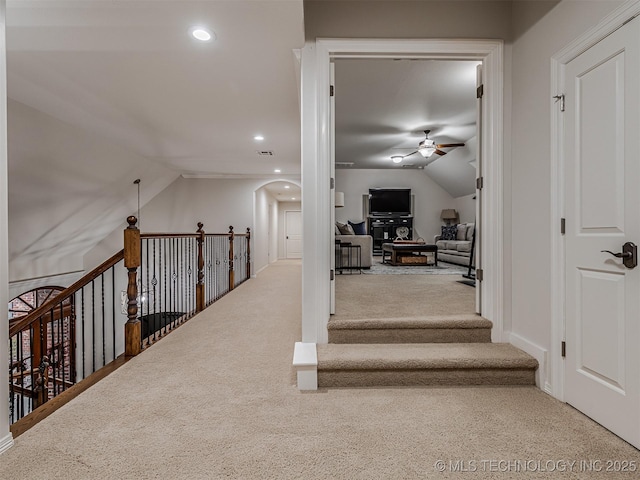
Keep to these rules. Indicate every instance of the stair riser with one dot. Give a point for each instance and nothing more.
(431, 377)
(405, 335)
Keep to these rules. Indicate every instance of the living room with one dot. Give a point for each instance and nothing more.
(385, 110)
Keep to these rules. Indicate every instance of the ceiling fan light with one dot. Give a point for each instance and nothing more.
(426, 151)
(396, 158)
(427, 147)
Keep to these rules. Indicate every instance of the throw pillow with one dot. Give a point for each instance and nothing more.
(344, 229)
(359, 228)
(462, 231)
(449, 232)
(470, 228)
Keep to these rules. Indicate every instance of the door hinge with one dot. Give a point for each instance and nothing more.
(331, 275)
(564, 349)
(331, 90)
(480, 91)
(332, 183)
(563, 226)
(479, 183)
(561, 98)
(479, 274)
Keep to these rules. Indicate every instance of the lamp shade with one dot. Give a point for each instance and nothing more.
(339, 199)
(449, 214)
(426, 148)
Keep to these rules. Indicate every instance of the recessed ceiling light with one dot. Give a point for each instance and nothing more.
(293, 198)
(202, 34)
(287, 186)
(277, 170)
(258, 138)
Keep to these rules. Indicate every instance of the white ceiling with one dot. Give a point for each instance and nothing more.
(130, 72)
(284, 191)
(384, 105)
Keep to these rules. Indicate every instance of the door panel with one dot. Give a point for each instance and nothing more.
(293, 232)
(600, 134)
(602, 207)
(601, 348)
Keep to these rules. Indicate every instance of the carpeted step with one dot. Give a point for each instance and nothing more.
(363, 365)
(437, 329)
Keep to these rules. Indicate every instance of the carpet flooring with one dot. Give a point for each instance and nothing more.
(393, 296)
(217, 399)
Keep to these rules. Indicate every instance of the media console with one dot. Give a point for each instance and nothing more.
(385, 230)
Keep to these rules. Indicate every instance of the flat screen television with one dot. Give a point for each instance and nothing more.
(390, 201)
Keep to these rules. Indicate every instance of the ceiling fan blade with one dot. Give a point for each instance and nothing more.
(439, 152)
(449, 145)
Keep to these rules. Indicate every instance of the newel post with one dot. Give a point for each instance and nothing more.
(248, 253)
(132, 329)
(200, 284)
(231, 272)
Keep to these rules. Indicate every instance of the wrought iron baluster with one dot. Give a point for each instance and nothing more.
(113, 310)
(83, 330)
(51, 352)
(104, 333)
(154, 282)
(93, 324)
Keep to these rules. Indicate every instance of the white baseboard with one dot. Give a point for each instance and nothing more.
(255, 274)
(537, 352)
(6, 443)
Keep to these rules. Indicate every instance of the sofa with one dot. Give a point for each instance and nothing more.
(355, 233)
(456, 251)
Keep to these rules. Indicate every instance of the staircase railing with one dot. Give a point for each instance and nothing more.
(167, 279)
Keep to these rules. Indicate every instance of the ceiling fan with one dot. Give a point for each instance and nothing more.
(427, 147)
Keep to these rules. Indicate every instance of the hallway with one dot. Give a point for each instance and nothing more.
(217, 399)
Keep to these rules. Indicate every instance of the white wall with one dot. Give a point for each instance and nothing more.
(5, 437)
(429, 198)
(68, 188)
(407, 19)
(264, 205)
(533, 47)
(282, 208)
(466, 207)
(217, 203)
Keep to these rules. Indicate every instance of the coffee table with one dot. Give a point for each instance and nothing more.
(409, 253)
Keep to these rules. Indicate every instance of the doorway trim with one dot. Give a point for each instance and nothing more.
(316, 187)
(607, 26)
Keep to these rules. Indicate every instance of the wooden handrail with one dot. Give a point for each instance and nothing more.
(169, 235)
(64, 294)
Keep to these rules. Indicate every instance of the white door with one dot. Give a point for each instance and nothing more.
(602, 209)
(293, 234)
(332, 193)
(476, 261)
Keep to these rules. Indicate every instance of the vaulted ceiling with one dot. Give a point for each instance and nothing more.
(383, 107)
(102, 92)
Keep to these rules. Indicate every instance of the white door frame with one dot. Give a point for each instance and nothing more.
(316, 57)
(555, 385)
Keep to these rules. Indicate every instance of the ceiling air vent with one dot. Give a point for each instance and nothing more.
(267, 153)
(344, 164)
